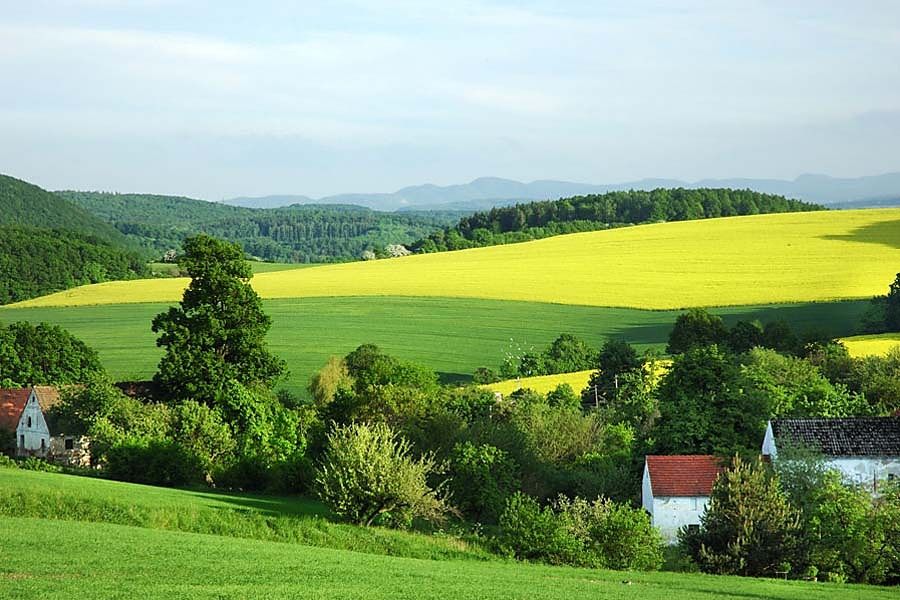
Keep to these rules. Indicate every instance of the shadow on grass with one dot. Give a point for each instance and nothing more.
(276, 506)
(885, 233)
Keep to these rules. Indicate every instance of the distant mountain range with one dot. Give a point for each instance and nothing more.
(487, 192)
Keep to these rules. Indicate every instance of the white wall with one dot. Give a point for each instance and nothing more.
(671, 514)
(36, 432)
(864, 470)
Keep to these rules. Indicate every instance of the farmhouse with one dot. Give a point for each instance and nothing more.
(22, 412)
(22, 415)
(676, 490)
(866, 450)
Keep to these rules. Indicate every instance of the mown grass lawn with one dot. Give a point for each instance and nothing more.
(453, 336)
(45, 560)
(735, 261)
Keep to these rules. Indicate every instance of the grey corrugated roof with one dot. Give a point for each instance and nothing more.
(857, 436)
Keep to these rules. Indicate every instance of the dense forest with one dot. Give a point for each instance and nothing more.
(35, 261)
(300, 233)
(22, 203)
(536, 220)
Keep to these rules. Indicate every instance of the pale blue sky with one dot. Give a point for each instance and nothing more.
(224, 98)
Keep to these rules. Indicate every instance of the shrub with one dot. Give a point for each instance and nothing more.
(529, 532)
(38, 464)
(368, 475)
(484, 375)
(614, 536)
(154, 462)
(482, 477)
(599, 534)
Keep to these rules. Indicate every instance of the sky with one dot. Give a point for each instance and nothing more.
(224, 98)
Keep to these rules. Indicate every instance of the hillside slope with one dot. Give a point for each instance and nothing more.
(25, 204)
(300, 234)
(763, 259)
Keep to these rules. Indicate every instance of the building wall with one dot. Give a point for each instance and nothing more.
(646, 492)
(33, 438)
(79, 455)
(867, 470)
(671, 514)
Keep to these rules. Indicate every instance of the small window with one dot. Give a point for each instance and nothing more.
(22, 441)
(29, 421)
(693, 528)
(70, 444)
(43, 444)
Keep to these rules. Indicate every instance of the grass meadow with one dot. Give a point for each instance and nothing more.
(872, 345)
(103, 539)
(453, 336)
(735, 261)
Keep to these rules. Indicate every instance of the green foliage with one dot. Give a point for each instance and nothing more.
(369, 476)
(599, 534)
(704, 409)
(484, 375)
(697, 328)
(749, 527)
(296, 234)
(204, 433)
(536, 220)
(326, 382)
(566, 354)
(616, 359)
(793, 387)
(217, 333)
(892, 306)
(563, 396)
(43, 354)
(35, 262)
(852, 534)
(153, 461)
(481, 479)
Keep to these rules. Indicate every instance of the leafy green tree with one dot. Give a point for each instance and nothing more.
(749, 527)
(779, 336)
(567, 354)
(217, 333)
(203, 432)
(368, 475)
(696, 328)
(793, 387)
(44, 354)
(704, 409)
(563, 396)
(744, 336)
(481, 479)
(616, 358)
(325, 383)
(852, 535)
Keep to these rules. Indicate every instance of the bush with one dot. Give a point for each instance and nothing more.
(529, 532)
(482, 477)
(484, 375)
(598, 534)
(614, 536)
(368, 476)
(38, 464)
(154, 462)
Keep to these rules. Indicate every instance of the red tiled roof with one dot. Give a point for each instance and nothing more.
(12, 403)
(683, 475)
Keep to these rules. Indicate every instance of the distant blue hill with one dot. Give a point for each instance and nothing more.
(487, 192)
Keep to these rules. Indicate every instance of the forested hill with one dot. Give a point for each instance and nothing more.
(307, 233)
(25, 204)
(48, 244)
(535, 220)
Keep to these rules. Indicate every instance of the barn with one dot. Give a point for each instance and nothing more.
(676, 490)
(22, 412)
(865, 450)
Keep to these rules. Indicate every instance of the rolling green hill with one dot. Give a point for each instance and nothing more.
(299, 234)
(25, 204)
(87, 554)
(48, 244)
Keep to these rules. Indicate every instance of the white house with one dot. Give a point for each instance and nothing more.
(676, 490)
(21, 411)
(866, 450)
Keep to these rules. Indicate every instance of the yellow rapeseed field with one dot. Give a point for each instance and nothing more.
(543, 383)
(762, 259)
(872, 345)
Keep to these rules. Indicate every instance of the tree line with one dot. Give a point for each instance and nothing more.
(296, 234)
(535, 220)
(34, 262)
